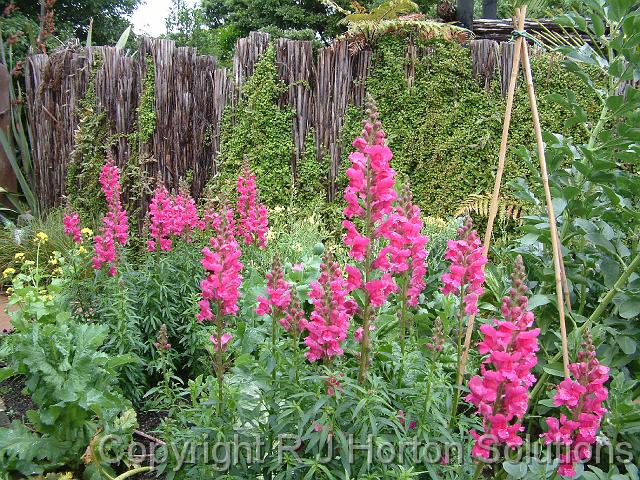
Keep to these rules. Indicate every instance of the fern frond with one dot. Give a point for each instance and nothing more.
(480, 205)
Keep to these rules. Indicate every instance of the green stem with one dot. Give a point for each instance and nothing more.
(456, 398)
(478, 471)
(555, 474)
(133, 472)
(364, 345)
(219, 358)
(403, 326)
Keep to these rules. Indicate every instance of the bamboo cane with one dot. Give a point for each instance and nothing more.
(520, 15)
(555, 244)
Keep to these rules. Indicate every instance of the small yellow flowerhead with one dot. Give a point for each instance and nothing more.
(42, 237)
(82, 249)
(53, 261)
(87, 232)
(8, 271)
(19, 256)
(29, 263)
(9, 290)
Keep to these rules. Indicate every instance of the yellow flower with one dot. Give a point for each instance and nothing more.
(19, 256)
(28, 263)
(53, 261)
(297, 247)
(57, 271)
(82, 249)
(9, 290)
(8, 271)
(87, 231)
(42, 237)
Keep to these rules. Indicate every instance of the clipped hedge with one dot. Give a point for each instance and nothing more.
(444, 131)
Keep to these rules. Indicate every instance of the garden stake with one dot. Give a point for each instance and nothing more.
(553, 227)
(493, 209)
(521, 48)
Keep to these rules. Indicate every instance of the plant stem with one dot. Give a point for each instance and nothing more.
(133, 472)
(478, 471)
(219, 359)
(403, 325)
(459, 375)
(364, 345)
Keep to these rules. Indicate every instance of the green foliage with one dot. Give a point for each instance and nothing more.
(260, 131)
(110, 17)
(21, 239)
(444, 133)
(86, 160)
(72, 385)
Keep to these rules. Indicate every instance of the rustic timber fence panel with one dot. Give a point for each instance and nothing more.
(191, 93)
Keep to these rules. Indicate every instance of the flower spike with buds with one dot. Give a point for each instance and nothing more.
(501, 391)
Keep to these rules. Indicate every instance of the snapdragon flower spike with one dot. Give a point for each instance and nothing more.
(406, 251)
(71, 222)
(115, 227)
(501, 391)
(171, 216)
(582, 396)
(278, 292)
(294, 316)
(370, 196)
(221, 261)
(329, 322)
(253, 223)
(466, 273)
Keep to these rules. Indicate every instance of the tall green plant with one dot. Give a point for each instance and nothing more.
(596, 191)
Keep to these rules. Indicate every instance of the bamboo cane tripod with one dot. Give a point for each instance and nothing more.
(521, 51)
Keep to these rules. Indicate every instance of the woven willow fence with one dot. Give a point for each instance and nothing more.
(191, 93)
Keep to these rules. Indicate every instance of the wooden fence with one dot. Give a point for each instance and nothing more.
(191, 93)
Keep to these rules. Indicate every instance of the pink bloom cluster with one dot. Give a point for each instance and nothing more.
(171, 216)
(253, 223)
(278, 292)
(466, 274)
(294, 315)
(221, 261)
(71, 222)
(501, 393)
(406, 250)
(370, 196)
(582, 396)
(115, 227)
(329, 320)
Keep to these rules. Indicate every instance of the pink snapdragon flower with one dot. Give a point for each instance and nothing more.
(370, 196)
(582, 396)
(115, 227)
(221, 261)
(278, 292)
(71, 222)
(171, 216)
(329, 321)
(466, 273)
(406, 252)
(225, 338)
(500, 392)
(253, 223)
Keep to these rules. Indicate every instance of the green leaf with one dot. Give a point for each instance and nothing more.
(554, 369)
(515, 470)
(122, 41)
(630, 308)
(627, 344)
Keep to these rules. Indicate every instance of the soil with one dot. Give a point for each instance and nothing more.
(16, 404)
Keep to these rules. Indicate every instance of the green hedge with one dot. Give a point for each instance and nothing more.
(444, 131)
